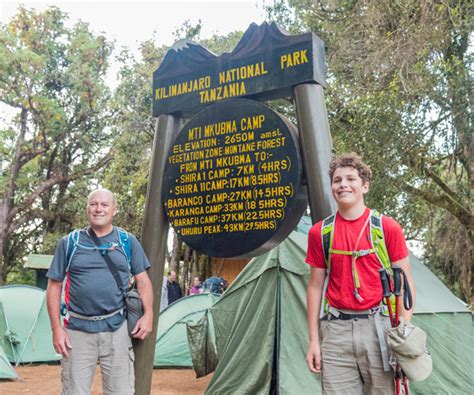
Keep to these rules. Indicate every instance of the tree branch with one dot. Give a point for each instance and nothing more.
(443, 201)
(49, 183)
(45, 215)
(418, 165)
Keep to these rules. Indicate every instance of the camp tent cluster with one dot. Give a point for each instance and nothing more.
(257, 329)
(261, 330)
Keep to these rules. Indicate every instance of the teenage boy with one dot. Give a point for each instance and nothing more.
(347, 345)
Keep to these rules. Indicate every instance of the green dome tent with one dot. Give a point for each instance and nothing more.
(25, 331)
(172, 349)
(6, 370)
(261, 329)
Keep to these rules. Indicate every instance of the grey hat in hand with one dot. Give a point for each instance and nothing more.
(408, 345)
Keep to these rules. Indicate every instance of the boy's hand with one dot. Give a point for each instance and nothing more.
(313, 358)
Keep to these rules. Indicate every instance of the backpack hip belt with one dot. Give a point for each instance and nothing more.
(96, 317)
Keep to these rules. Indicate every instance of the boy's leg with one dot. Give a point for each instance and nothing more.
(77, 370)
(339, 374)
(116, 362)
(369, 358)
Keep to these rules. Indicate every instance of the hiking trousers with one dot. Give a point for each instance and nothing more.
(351, 358)
(114, 353)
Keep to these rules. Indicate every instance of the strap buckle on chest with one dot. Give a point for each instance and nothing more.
(358, 254)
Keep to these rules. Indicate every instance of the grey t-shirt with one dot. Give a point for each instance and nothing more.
(91, 289)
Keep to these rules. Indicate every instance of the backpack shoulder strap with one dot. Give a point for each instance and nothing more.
(377, 238)
(327, 232)
(71, 246)
(124, 239)
(72, 243)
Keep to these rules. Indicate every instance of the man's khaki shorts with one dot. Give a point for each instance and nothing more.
(113, 351)
(351, 358)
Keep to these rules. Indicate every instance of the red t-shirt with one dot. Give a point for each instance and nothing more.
(340, 292)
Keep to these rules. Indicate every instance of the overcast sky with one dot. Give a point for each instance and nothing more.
(133, 22)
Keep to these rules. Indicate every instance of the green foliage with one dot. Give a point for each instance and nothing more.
(188, 31)
(21, 275)
(52, 82)
(400, 94)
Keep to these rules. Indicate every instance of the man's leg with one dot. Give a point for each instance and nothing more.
(369, 358)
(116, 362)
(77, 370)
(340, 374)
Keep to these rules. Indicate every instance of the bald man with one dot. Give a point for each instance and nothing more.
(83, 291)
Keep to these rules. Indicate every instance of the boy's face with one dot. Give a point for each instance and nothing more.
(347, 187)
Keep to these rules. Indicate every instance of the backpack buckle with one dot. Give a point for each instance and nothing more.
(360, 253)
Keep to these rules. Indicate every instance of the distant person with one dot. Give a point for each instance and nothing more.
(174, 290)
(92, 304)
(197, 286)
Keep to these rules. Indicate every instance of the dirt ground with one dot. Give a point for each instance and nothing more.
(44, 380)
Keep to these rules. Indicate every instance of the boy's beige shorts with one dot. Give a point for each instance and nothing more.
(351, 358)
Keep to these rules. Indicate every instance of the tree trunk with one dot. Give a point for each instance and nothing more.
(3, 233)
(186, 267)
(175, 254)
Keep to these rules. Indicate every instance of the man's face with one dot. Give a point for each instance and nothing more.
(172, 277)
(347, 187)
(101, 209)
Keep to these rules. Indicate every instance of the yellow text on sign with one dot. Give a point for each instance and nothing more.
(293, 59)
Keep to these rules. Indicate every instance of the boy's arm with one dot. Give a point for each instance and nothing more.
(404, 264)
(313, 301)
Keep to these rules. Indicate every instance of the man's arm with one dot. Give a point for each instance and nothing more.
(61, 342)
(145, 324)
(313, 301)
(405, 265)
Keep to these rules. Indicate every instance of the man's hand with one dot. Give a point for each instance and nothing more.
(61, 342)
(143, 327)
(313, 358)
(145, 324)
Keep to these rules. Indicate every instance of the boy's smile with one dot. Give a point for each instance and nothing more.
(347, 187)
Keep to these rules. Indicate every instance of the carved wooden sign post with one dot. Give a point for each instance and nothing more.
(236, 178)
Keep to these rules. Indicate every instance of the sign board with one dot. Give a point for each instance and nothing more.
(265, 65)
(232, 184)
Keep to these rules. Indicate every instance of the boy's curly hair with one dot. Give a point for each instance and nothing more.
(350, 160)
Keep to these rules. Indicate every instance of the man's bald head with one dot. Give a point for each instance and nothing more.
(101, 209)
(102, 190)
